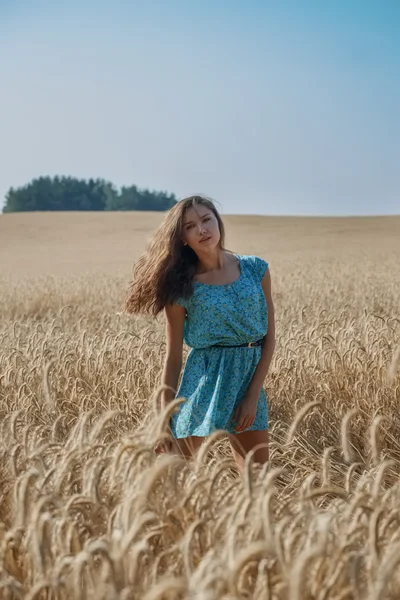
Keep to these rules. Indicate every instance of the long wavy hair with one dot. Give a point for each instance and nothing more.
(165, 271)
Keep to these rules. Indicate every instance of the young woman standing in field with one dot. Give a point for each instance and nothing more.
(220, 304)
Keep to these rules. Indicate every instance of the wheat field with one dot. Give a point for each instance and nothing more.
(87, 510)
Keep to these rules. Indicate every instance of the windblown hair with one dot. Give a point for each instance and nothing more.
(164, 273)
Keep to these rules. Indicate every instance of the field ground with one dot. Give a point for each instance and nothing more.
(86, 510)
(56, 244)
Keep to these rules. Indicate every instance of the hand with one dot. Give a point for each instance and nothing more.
(164, 447)
(245, 413)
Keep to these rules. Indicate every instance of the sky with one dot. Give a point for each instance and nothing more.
(281, 108)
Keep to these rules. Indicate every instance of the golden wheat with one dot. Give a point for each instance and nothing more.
(87, 510)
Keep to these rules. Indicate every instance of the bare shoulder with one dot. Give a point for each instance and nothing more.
(232, 258)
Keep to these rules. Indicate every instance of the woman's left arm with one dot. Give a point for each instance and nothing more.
(268, 346)
(245, 413)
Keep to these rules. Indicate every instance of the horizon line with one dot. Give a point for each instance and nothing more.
(268, 215)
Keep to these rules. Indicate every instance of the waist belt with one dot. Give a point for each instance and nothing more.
(248, 345)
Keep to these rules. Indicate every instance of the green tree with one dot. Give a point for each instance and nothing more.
(127, 199)
(70, 193)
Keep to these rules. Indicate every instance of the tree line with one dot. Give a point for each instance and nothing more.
(70, 193)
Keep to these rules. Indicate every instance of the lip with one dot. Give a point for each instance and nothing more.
(205, 239)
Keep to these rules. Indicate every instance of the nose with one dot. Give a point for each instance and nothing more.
(202, 229)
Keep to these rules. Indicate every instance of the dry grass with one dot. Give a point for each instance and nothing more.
(86, 509)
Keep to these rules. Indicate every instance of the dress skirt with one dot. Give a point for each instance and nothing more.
(214, 382)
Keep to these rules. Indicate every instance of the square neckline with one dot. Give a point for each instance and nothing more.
(219, 285)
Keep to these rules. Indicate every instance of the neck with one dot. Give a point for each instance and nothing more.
(212, 261)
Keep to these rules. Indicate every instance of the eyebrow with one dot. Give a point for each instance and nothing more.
(190, 222)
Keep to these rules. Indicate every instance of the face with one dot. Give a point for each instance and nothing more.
(200, 229)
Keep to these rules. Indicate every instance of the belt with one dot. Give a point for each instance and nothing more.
(247, 345)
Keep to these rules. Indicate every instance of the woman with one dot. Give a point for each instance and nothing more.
(220, 304)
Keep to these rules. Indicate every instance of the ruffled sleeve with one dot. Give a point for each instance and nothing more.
(260, 267)
(181, 302)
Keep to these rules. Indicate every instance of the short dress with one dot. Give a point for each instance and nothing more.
(216, 379)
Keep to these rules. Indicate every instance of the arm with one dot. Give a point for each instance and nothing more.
(246, 411)
(268, 347)
(175, 319)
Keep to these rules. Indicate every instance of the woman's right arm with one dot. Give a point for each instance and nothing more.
(175, 319)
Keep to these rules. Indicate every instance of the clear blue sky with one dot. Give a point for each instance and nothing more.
(270, 107)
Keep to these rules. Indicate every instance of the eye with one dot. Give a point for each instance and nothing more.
(206, 219)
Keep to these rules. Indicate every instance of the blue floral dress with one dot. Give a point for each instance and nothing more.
(215, 380)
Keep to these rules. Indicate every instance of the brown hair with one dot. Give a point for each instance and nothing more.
(164, 273)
